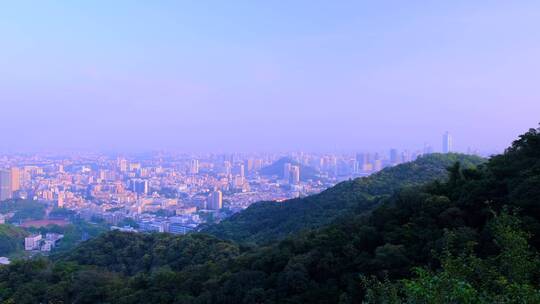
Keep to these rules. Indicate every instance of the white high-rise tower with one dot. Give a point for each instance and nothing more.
(447, 143)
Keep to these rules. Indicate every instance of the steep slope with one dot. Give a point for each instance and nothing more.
(276, 169)
(268, 221)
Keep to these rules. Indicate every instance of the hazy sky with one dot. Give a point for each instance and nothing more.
(267, 75)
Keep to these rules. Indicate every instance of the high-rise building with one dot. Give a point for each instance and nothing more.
(353, 164)
(294, 177)
(406, 156)
(122, 164)
(238, 182)
(248, 165)
(364, 162)
(15, 179)
(227, 168)
(363, 158)
(286, 171)
(394, 157)
(194, 168)
(139, 186)
(377, 162)
(446, 143)
(60, 201)
(257, 164)
(239, 170)
(216, 200)
(5, 185)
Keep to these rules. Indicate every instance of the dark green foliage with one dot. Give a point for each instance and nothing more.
(61, 213)
(277, 168)
(268, 221)
(39, 281)
(472, 238)
(23, 210)
(74, 233)
(508, 276)
(130, 253)
(11, 239)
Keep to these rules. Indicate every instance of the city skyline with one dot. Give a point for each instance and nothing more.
(426, 148)
(181, 185)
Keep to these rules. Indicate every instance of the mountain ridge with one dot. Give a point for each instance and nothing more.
(264, 222)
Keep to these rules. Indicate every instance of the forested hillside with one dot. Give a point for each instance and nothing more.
(131, 253)
(11, 239)
(268, 221)
(473, 238)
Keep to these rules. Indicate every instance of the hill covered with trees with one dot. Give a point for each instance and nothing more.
(11, 239)
(277, 168)
(268, 221)
(472, 238)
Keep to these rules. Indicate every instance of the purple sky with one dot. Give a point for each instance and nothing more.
(267, 75)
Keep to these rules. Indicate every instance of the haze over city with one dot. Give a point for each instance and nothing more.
(129, 76)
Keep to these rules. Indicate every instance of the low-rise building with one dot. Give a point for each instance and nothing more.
(179, 228)
(37, 242)
(32, 242)
(124, 229)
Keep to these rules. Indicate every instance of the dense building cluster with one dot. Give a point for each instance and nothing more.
(172, 192)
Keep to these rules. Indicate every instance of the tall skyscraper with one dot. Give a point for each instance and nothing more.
(248, 165)
(394, 157)
(294, 177)
(15, 179)
(286, 171)
(446, 143)
(60, 201)
(194, 168)
(377, 162)
(5, 185)
(216, 200)
(122, 164)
